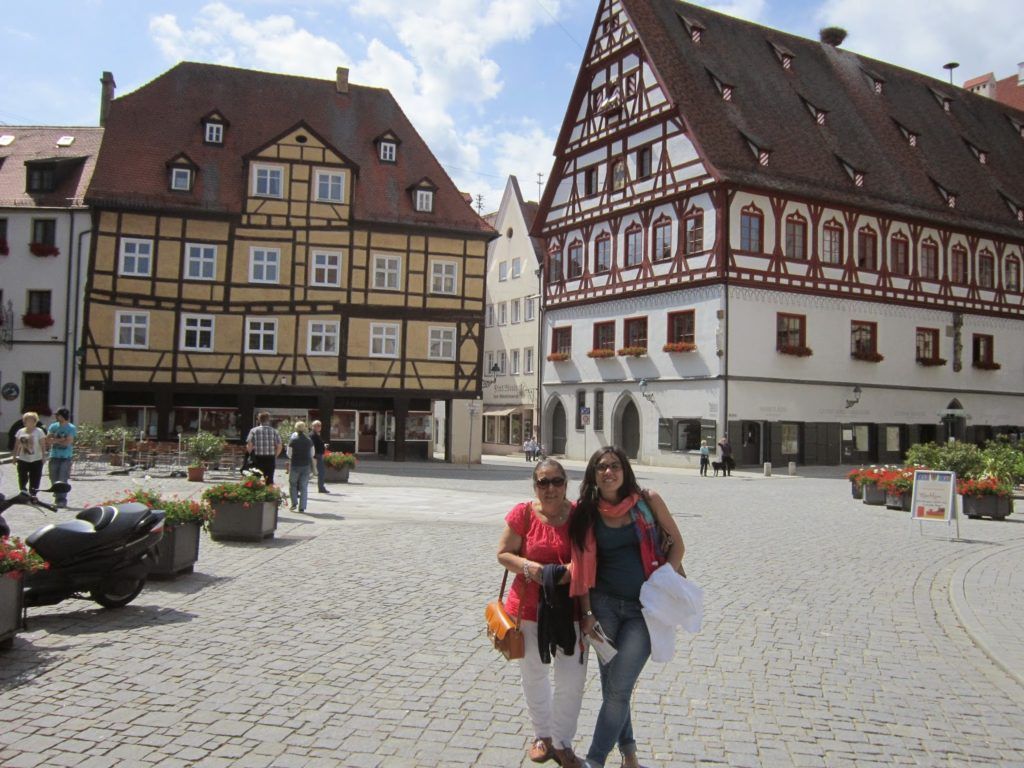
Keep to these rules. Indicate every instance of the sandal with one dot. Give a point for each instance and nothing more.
(541, 751)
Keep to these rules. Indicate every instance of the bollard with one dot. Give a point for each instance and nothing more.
(792, 468)
(767, 469)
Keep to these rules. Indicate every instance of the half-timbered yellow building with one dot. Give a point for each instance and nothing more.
(268, 242)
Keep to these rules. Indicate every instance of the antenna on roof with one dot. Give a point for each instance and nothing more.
(480, 204)
(540, 184)
(951, 65)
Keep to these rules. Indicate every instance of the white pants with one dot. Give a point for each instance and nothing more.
(553, 716)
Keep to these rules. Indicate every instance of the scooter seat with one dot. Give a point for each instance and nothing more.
(95, 527)
(100, 517)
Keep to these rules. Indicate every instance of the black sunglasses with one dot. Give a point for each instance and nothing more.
(544, 482)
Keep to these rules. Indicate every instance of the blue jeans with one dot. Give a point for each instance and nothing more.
(60, 472)
(298, 485)
(623, 623)
(320, 473)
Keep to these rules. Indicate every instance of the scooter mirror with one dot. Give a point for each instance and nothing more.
(59, 488)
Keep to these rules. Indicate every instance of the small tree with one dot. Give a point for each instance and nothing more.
(204, 447)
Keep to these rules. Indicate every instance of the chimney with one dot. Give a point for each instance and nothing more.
(106, 95)
(341, 82)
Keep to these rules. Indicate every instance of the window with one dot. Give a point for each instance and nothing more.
(982, 349)
(387, 272)
(267, 180)
(927, 344)
(44, 231)
(791, 332)
(618, 175)
(958, 265)
(604, 335)
(330, 186)
(986, 270)
(581, 403)
(39, 303)
(41, 177)
(1012, 281)
(634, 246)
(528, 360)
(514, 362)
(662, 240)
(516, 317)
(326, 270)
(503, 271)
(136, 257)
(590, 181)
(561, 340)
(261, 336)
(132, 330)
(502, 360)
(693, 227)
(599, 410)
(323, 337)
(197, 333)
(750, 231)
(634, 332)
(796, 237)
(200, 261)
(442, 344)
(682, 327)
(35, 391)
(554, 265)
(790, 442)
(930, 261)
(502, 313)
(264, 265)
(867, 249)
(863, 338)
(575, 260)
(529, 306)
(388, 151)
(181, 179)
(444, 277)
(214, 133)
(832, 252)
(899, 257)
(643, 162)
(424, 200)
(383, 340)
(517, 267)
(490, 315)
(603, 254)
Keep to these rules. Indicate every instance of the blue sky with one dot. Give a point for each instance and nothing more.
(485, 81)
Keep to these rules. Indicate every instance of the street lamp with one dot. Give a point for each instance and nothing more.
(648, 396)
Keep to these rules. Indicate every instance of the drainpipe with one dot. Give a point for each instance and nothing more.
(540, 355)
(724, 256)
(67, 320)
(76, 325)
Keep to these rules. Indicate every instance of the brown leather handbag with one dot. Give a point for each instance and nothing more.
(503, 632)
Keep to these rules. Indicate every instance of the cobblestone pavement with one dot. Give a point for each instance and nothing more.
(835, 634)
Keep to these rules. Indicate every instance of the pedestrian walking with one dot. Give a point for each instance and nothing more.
(265, 446)
(60, 437)
(319, 448)
(535, 546)
(705, 458)
(615, 549)
(725, 451)
(300, 461)
(29, 449)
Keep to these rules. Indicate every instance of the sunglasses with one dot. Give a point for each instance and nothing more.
(615, 467)
(544, 482)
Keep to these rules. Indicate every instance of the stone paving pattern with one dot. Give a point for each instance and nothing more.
(836, 634)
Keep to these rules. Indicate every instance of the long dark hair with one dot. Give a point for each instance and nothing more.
(586, 508)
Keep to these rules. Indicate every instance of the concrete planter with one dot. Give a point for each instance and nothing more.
(873, 495)
(898, 501)
(196, 474)
(244, 522)
(332, 475)
(996, 507)
(10, 609)
(177, 551)
(856, 490)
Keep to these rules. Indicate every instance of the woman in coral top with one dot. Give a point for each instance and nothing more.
(535, 547)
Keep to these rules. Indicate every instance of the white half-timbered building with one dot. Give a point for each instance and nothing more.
(753, 234)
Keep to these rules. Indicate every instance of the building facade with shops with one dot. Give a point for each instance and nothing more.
(757, 235)
(287, 244)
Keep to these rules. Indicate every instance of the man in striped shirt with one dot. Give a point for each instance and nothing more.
(265, 446)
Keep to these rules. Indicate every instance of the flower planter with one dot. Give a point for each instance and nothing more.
(898, 501)
(10, 608)
(856, 490)
(873, 495)
(196, 474)
(996, 507)
(336, 475)
(177, 551)
(236, 521)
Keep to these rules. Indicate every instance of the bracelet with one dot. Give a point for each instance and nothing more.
(588, 613)
(526, 568)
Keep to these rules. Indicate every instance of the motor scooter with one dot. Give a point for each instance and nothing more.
(104, 554)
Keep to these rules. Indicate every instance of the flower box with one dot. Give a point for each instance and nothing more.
(43, 249)
(601, 353)
(873, 495)
(679, 346)
(337, 465)
(37, 320)
(336, 474)
(900, 500)
(856, 490)
(794, 351)
(632, 352)
(558, 357)
(243, 521)
(931, 362)
(996, 507)
(178, 550)
(868, 357)
(986, 365)
(10, 608)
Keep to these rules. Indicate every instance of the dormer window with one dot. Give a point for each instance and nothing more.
(947, 196)
(784, 55)
(181, 179)
(819, 115)
(875, 81)
(979, 154)
(214, 133)
(1015, 208)
(41, 177)
(693, 29)
(724, 89)
(787, 62)
(856, 176)
(760, 153)
(726, 93)
(424, 200)
(388, 151)
(909, 135)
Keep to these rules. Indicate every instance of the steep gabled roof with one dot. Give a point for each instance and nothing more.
(74, 163)
(162, 119)
(807, 159)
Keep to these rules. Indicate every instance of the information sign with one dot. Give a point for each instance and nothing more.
(934, 498)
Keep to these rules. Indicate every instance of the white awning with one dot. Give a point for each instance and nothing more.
(500, 412)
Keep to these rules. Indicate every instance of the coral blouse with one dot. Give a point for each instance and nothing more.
(542, 543)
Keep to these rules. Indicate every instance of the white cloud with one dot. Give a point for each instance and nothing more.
(751, 10)
(925, 34)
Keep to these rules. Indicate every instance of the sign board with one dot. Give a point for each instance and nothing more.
(934, 496)
(584, 415)
(10, 391)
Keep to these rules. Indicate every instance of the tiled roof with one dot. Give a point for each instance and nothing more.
(161, 120)
(769, 104)
(75, 163)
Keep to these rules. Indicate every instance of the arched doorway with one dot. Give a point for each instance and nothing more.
(558, 430)
(954, 419)
(629, 430)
